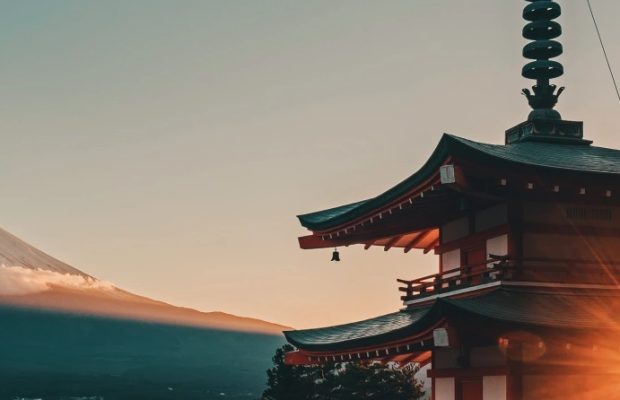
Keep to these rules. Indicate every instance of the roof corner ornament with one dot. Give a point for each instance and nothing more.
(543, 97)
(541, 29)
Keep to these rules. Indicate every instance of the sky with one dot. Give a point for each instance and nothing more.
(167, 146)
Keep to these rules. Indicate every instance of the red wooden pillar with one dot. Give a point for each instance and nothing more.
(514, 387)
(469, 388)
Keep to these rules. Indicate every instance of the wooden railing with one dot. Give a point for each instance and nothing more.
(494, 269)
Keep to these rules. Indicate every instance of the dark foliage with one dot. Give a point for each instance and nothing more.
(289, 382)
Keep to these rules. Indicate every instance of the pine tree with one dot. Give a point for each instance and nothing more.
(286, 382)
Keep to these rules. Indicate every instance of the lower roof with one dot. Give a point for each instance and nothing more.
(359, 334)
(566, 309)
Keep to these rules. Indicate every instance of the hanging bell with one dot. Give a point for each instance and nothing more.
(335, 255)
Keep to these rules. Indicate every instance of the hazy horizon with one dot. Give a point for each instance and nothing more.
(166, 147)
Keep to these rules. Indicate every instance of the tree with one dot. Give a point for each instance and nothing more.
(341, 381)
(286, 382)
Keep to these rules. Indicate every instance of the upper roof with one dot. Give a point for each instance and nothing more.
(568, 157)
(565, 309)
(560, 157)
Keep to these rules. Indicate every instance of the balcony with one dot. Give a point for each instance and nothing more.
(497, 268)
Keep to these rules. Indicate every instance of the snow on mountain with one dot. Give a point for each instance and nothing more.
(14, 252)
(18, 280)
(31, 278)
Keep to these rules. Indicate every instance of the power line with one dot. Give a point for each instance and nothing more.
(600, 39)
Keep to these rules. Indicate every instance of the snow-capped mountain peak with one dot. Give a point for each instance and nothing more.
(31, 278)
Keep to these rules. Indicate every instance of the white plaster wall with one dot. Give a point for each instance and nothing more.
(451, 260)
(427, 383)
(444, 389)
(494, 388)
(497, 246)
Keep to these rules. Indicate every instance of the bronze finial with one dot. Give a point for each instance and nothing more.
(541, 29)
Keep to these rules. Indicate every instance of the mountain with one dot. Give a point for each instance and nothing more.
(66, 334)
(32, 278)
(14, 252)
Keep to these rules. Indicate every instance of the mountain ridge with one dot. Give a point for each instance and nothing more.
(33, 279)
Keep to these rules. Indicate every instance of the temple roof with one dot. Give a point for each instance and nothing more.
(568, 157)
(557, 157)
(358, 334)
(544, 308)
(568, 309)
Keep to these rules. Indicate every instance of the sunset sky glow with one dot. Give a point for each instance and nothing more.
(167, 146)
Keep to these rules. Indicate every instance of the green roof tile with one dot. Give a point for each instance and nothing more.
(568, 309)
(570, 157)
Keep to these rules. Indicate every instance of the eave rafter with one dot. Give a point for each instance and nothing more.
(379, 214)
(415, 355)
(411, 349)
(421, 236)
(392, 242)
(431, 246)
(393, 229)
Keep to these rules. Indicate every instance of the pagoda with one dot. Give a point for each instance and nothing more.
(526, 300)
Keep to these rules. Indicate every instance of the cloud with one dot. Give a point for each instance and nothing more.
(15, 281)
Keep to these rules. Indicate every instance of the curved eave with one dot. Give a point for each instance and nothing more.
(373, 332)
(556, 157)
(402, 357)
(424, 239)
(326, 219)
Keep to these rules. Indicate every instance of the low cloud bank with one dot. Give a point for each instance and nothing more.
(15, 281)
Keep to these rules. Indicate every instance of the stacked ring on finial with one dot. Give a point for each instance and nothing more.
(542, 30)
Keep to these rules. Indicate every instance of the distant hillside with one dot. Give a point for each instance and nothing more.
(117, 303)
(53, 355)
(65, 334)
